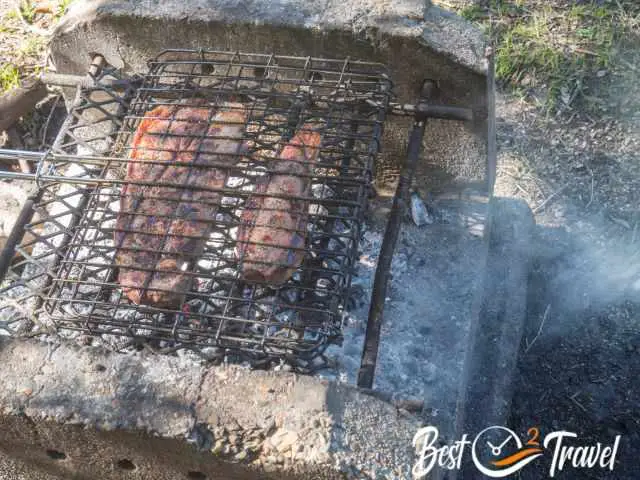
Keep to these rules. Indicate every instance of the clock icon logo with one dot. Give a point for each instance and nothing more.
(498, 452)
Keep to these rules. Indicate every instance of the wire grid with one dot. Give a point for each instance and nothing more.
(204, 301)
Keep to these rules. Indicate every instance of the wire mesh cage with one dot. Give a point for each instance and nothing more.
(215, 203)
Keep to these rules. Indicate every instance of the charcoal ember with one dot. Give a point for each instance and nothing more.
(312, 335)
(317, 218)
(260, 310)
(236, 182)
(288, 317)
(331, 264)
(212, 353)
(283, 367)
(290, 295)
(118, 342)
(141, 332)
(76, 309)
(323, 286)
(335, 245)
(341, 228)
(322, 191)
(318, 210)
(288, 333)
(223, 217)
(230, 201)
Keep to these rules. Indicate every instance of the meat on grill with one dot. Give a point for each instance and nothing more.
(160, 230)
(271, 237)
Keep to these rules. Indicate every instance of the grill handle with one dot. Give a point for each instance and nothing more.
(422, 111)
(17, 233)
(381, 281)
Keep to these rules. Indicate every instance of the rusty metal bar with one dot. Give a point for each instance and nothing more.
(17, 233)
(400, 204)
(376, 310)
(424, 110)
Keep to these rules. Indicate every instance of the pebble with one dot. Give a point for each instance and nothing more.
(241, 456)
(218, 447)
(253, 446)
(287, 441)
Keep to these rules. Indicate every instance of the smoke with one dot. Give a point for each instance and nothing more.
(581, 271)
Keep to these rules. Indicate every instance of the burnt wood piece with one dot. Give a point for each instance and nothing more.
(20, 101)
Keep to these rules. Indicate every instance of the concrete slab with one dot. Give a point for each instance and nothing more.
(86, 413)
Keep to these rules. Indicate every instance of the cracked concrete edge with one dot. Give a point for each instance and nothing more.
(485, 398)
(364, 22)
(274, 421)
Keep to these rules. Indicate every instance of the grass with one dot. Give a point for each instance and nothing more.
(557, 52)
(9, 77)
(62, 8)
(32, 46)
(22, 49)
(28, 10)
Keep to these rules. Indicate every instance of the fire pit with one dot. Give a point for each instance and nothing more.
(377, 137)
(68, 272)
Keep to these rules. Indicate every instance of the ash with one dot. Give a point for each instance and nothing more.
(426, 318)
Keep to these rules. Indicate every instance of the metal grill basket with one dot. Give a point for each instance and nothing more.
(66, 275)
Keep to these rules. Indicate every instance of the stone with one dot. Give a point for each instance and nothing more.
(241, 456)
(218, 447)
(286, 441)
(419, 21)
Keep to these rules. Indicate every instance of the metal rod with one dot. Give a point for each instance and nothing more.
(421, 110)
(424, 110)
(378, 296)
(17, 233)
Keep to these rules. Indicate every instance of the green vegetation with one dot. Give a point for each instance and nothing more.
(28, 10)
(553, 52)
(9, 77)
(32, 46)
(62, 8)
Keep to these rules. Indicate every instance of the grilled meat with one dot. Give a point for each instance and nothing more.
(271, 237)
(162, 229)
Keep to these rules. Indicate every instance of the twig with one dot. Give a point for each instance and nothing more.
(573, 399)
(522, 190)
(550, 197)
(544, 319)
(46, 125)
(592, 182)
(586, 52)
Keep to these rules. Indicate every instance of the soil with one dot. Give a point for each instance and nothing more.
(580, 356)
